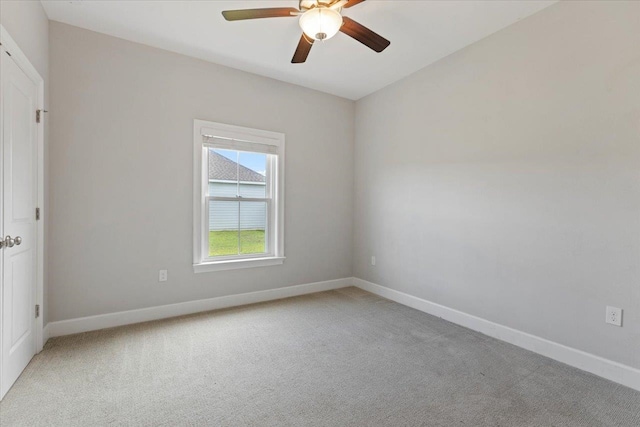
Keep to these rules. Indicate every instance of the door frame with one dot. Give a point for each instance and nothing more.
(18, 56)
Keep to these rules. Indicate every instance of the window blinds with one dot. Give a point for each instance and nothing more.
(239, 145)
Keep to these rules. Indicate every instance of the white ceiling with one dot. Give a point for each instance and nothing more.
(421, 32)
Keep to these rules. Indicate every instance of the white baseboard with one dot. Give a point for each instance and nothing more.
(614, 371)
(45, 334)
(110, 320)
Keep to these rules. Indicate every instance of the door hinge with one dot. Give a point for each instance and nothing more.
(39, 115)
(37, 310)
(37, 214)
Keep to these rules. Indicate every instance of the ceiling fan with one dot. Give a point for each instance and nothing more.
(319, 20)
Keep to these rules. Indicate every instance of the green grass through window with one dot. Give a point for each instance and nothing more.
(226, 242)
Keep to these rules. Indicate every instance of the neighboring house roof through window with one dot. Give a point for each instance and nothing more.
(222, 168)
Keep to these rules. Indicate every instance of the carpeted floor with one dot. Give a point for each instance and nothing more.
(339, 358)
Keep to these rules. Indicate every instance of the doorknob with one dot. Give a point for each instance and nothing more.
(9, 242)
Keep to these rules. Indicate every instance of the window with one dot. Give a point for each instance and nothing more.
(238, 197)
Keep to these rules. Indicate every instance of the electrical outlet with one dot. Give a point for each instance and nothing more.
(373, 260)
(162, 276)
(614, 316)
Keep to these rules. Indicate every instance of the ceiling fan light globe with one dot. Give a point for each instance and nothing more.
(320, 23)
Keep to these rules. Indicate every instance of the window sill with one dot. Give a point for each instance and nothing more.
(206, 267)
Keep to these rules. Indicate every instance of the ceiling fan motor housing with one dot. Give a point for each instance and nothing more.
(310, 4)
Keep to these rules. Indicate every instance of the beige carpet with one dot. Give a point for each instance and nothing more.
(340, 358)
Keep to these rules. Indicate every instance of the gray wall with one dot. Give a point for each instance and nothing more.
(224, 215)
(28, 25)
(504, 180)
(122, 124)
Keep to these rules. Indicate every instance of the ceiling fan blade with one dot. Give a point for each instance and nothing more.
(338, 4)
(271, 12)
(352, 3)
(302, 51)
(364, 35)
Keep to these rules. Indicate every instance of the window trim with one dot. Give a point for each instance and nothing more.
(275, 141)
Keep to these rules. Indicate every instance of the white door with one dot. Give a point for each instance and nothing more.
(18, 222)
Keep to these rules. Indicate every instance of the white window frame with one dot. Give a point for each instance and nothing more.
(236, 138)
